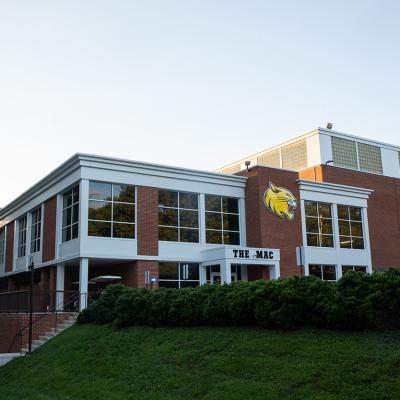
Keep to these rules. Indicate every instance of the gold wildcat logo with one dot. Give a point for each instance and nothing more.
(280, 201)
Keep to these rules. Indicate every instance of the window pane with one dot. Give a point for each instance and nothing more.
(344, 228)
(326, 226)
(75, 231)
(356, 229)
(66, 234)
(99, 191)
(346, 269)
(312, 224)
(100, 210)
(189, 219)
(327, 241)
(67, 217)
(189, 235)
(231, 222)
(167, 198)
(311, 208)
(188, 200)
(193, 270)
(231, 237)
(355, 213)
(213, 220)
(312, 239)
(123, 212)
(126, 231)
(329, 272)
(358, 243)
(102, 229)
(168, 234)
(315, 270)
(167, 216)
(75, 213)
(169, 284)
(324, 210)
(124, 193)
(168, 271)
(343, 212)
(359, 268)
(213, 203)
(75, 194)
(67, 199)
(214, 237)
(185, 284)
(230, 205)
(345, 242)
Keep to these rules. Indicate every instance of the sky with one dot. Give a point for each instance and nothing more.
(196, 84)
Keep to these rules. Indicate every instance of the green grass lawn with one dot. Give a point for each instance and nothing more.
(98, 362)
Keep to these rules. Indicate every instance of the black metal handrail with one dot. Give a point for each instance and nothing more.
(53, 312)
(18, 301)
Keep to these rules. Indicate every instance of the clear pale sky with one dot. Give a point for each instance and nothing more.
(188, 83)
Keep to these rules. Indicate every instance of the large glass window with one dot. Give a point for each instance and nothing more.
(36, 228)
(111, 210)
(324, 272)
(22, 226)
(318, 224)
(70, 214)
(2, 245)
(178, 275)
(222, 220)
(355, 268)
(178, 216)
(350, 227)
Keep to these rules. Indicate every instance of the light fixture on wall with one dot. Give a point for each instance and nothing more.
(247, 164)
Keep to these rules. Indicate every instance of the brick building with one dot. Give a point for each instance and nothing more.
(324, 203)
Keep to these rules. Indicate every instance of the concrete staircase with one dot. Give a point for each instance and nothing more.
(61, 326)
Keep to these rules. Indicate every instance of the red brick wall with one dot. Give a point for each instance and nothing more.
(141, 267)
(265, 229)
(10, 324)
(49, 229)
(312, 174)
(10, 247)
(147, 221)
(383, 211)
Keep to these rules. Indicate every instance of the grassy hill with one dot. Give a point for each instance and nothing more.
(97, 362)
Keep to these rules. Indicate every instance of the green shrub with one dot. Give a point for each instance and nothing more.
(102, 311)
(357, 301)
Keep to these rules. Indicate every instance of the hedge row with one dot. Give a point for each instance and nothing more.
(357, 301)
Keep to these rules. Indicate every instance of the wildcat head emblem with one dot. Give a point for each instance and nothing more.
(280, 201)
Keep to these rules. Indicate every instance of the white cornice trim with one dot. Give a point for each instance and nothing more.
(109, 163)
(333, 188)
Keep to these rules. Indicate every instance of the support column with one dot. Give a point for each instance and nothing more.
(274, 271)
(202, 274)
(83, 282)
(60, 287)
(226, 275)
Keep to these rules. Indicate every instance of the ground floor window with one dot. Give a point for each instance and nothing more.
(356, 268)
(178, 275)
(322, 271)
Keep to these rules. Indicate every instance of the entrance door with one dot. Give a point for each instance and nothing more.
(215, 277)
